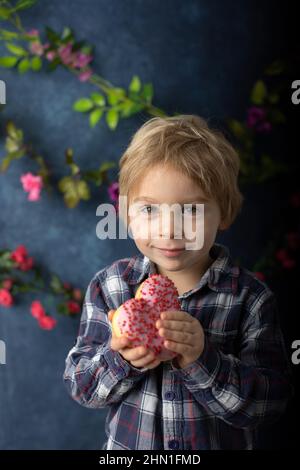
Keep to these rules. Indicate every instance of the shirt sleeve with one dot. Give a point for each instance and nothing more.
(252, 387)
(96, 375)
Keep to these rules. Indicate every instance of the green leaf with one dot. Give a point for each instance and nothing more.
(23, 4)
(67, 33)
(95, 176)
(5, 163)
(135, 84)
(98, 99)
(237, 128)
(56, 284)
(126, 107)
(11, 145)
(276, 68)
(83, 104)
(71, 199)
(5, 260)
(112, 119)
(4, 13)
(259, 92)
(107, 166)
(15, 49)
(36, 63)
(83, 190)
(69, 156)
(52, 35)
(62, 308)
(147, 92)
(8, 35)
(95, 116)
(276, 116)
(23, 65)
(13, 131)
(114, 95)
(8, 61)
(64, 183)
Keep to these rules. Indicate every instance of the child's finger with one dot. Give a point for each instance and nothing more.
(110, 314)
(144, 361)
(118, 344)
(134, 354)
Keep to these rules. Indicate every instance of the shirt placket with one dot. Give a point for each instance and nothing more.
(172, 415)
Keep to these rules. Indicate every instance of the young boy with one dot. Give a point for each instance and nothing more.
(229, 375)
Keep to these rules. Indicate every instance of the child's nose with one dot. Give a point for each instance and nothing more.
(168, 225)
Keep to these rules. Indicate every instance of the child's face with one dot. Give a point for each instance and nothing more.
(164, 185)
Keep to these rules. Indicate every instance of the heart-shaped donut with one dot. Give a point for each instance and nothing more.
(136, 318)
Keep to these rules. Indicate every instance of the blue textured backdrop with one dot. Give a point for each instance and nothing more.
(202, 57)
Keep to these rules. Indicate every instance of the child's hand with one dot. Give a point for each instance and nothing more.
(183, 334)
(139, 357)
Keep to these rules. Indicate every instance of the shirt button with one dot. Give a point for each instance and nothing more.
(169, 395)
(173, 444)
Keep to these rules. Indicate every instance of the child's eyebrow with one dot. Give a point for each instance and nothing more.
(187, 201)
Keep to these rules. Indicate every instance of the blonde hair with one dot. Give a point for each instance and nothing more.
(189, 145)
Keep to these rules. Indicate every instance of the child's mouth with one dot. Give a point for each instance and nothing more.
(171, 252)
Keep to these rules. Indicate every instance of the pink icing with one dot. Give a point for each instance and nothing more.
(161, 290)
(137, 317)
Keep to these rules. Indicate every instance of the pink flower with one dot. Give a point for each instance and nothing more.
(36, 48)
(32, 184)
(286, 261)
(6, 299)
(7, 284)
(20, 254)
(113, 191)
(281, 255)
(82, 60)
(33, 32)
(67, 285)
(73, 307)
(264, 127)
(26, 265)
(85, 76)
(260, 275)
(47, 323)
(256, 119)
(37, 310)
(51, 55)
(77, 295)
(65, 54)
(34, 194)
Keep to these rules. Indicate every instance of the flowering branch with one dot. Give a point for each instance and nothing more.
(262, 118)
(18, 274)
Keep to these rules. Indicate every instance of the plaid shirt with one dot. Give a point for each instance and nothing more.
(239, 381)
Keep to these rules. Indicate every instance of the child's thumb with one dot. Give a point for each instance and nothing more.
(110, 314)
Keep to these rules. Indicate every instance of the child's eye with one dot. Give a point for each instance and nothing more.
(150, 209)
(192, 209)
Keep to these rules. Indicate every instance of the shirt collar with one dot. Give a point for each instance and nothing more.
(221, 276)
